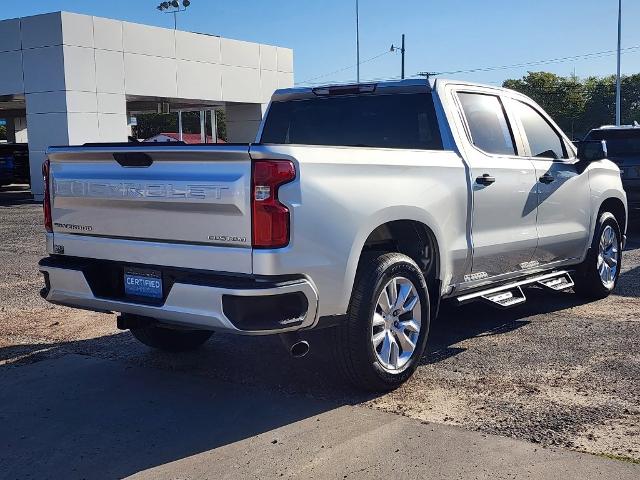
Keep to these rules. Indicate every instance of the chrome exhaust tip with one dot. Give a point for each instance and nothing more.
(299, 349)
(296, 346)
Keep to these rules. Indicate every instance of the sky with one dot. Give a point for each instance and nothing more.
(441, 36)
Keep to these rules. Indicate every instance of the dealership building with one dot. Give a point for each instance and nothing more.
(68, 79)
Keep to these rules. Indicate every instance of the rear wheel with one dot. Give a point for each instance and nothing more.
(170, 340)
(597, 276)
(382, 340)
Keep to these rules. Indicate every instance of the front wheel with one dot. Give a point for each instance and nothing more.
(597, 276)
(384, 335)
(170, 340)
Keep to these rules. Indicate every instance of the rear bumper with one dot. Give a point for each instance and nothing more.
(195, 299)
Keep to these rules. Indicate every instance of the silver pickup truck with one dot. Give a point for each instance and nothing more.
(359, 207)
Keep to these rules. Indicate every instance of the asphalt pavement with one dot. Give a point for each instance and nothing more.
(81, 417)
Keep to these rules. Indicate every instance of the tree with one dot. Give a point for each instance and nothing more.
(580, 105)
(3, 132)
(561, 97)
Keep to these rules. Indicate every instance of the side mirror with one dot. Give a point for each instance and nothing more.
(592, 150)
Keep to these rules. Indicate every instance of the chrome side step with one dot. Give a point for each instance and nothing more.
(511, 294)
(506, 298)
(557, 284)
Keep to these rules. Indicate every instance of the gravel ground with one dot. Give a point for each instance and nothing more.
(554, 371)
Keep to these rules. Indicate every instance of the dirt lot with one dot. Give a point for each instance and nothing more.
(555, 371)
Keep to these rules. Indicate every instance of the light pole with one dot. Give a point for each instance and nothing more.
(357, 42)
(618, 79)
(402, 50)
(166, 7)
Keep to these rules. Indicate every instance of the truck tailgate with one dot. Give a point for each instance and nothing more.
(194, 195)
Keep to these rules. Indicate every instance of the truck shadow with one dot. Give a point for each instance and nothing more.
(83, 417)
(458, 323)
(630, 279)
(628, 283)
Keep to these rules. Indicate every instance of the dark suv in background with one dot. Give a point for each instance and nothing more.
(623, 146)
(14, 163)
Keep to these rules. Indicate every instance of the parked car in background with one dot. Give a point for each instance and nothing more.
(6, 167)
(623, 147)
(14, 163)
(359, 208)
(188, 138)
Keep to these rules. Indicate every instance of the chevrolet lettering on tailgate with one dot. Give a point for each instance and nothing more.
(173, 191)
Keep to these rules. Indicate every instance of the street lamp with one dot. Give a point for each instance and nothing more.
(174, 8)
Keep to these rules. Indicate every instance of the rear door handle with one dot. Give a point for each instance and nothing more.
(485, 179)
(547, 178)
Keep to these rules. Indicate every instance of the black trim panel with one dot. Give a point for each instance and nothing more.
(106, 277)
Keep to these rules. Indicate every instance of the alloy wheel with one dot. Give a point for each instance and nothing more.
(608, 257)
(396, 324)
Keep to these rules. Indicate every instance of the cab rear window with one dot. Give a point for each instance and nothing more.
(405, 121)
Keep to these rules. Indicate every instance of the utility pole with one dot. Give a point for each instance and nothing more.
(357, 42)
(618, 79)
(393, 49)
(402, 52)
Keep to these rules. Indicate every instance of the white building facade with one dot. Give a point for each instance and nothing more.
(77, 78)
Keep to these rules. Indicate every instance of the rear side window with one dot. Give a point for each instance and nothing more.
(487, 123)
(383, 121)
(544, 140)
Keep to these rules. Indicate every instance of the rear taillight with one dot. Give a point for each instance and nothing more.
(46, 203)
(270, 217)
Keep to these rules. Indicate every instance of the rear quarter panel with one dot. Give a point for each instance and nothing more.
(342, 194)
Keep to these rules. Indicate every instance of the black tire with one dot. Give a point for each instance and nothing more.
(171, 340)
(588, 283)
(354, 348)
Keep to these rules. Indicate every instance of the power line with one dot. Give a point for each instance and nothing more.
(344, 68)
(584, 56)
(603, 53)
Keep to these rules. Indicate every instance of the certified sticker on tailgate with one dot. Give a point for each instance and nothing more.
(143, 283)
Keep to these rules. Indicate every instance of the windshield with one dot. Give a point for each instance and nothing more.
(386, 121)
(620, 143)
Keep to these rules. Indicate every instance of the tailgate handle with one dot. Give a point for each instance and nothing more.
(133, 159)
